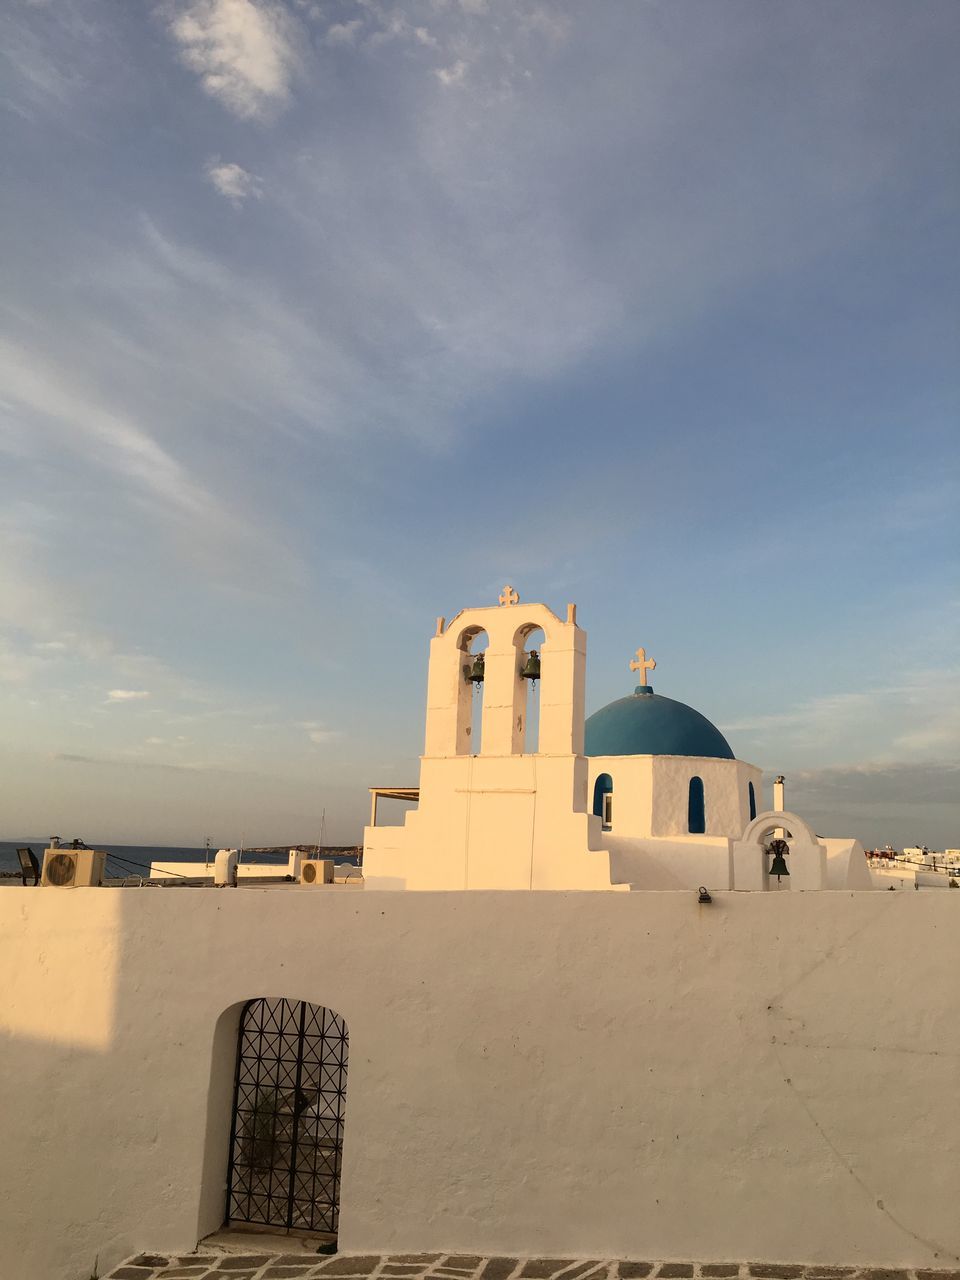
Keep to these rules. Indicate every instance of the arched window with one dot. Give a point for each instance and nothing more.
(603, 800)
(696, 816)
(752, 798)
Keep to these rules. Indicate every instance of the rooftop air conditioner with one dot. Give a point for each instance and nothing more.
(73, 868)
(314, 871)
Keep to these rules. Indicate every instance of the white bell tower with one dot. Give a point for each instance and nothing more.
(496, 816)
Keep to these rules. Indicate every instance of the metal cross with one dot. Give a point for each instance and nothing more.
(509, 596)
(643, 664)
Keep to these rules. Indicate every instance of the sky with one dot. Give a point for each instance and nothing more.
(321, 318)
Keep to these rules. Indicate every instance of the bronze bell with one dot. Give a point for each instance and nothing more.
(474, 674)
(531, 668)
(778, 866)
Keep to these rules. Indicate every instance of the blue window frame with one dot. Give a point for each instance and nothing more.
(603, 799)
(696, 814)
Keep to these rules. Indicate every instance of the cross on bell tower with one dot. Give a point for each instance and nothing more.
(508, 596)
(643, 664)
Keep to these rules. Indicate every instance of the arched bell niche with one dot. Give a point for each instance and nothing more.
(529, 641)
(473, 644)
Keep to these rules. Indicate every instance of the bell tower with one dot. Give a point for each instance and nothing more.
(492, 814)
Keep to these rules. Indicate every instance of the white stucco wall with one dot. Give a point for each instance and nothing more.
(773, 1076)
(651, 793)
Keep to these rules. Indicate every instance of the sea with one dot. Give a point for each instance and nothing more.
(135, 859)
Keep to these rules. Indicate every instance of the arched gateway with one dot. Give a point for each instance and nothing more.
(286, 1135)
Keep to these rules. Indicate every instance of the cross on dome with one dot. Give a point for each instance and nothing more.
(508, 596)
(643, 664)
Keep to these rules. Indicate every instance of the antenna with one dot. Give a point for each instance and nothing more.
(323, 816)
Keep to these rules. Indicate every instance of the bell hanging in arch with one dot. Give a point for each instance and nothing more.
(778, 866)
(474, 674)
(531, 668)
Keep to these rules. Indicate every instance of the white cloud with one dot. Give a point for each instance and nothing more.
(343, 32)
(127, 695)
(317, 732)
(453, 74)
(242, 51)
(233, 181)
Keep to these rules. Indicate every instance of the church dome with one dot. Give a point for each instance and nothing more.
(647, 724)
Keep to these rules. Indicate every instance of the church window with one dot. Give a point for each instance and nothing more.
(603, 800)
(752, 797)
(696, 815)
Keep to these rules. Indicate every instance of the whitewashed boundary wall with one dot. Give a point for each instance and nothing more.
(569, 1074)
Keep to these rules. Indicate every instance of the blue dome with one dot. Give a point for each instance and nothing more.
(649, 725)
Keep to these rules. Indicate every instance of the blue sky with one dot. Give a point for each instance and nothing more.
(322, 319)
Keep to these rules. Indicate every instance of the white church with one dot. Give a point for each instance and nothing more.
(672, 1056)
(644, 794)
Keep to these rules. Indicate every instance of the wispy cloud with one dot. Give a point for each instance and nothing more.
(107, 762)
(917, 718)
(883, 784)
(243, 52)
(344, 33)
(127, 695)
(233, 182)
(318, 733)
(453, 74)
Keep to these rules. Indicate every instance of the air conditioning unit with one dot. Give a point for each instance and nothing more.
(72, 868)
(316, 871)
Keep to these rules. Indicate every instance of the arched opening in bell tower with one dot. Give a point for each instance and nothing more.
(529, 642)
(473, 646)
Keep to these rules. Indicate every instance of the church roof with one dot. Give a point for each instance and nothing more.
(647, 724)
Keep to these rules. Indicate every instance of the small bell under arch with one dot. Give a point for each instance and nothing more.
(777, 849)
(474, 674)
(531, 668)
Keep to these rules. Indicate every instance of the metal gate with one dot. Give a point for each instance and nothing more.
(286, 1137)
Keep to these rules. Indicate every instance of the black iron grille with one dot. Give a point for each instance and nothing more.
(287, 1135)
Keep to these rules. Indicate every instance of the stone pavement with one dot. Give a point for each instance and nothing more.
(210, 1265)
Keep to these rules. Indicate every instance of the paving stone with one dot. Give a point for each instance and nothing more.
(573, 1272)
(775, 1270)
(149, 1260)
(416, 1257)
(361, 1265)
(938, 1275)
(837, 1273)
(498, 1268)
(545, 1268)
(300, 1269)
(461, 1261)
(402, 1268)
(885, 1273)
(180, 1273)
(455, 1271)
(245, 1261)
(676, 1270)
(720, 1269)
(634, 1270)
(128, 1272)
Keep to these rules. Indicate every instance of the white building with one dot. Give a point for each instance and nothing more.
(646, 794)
